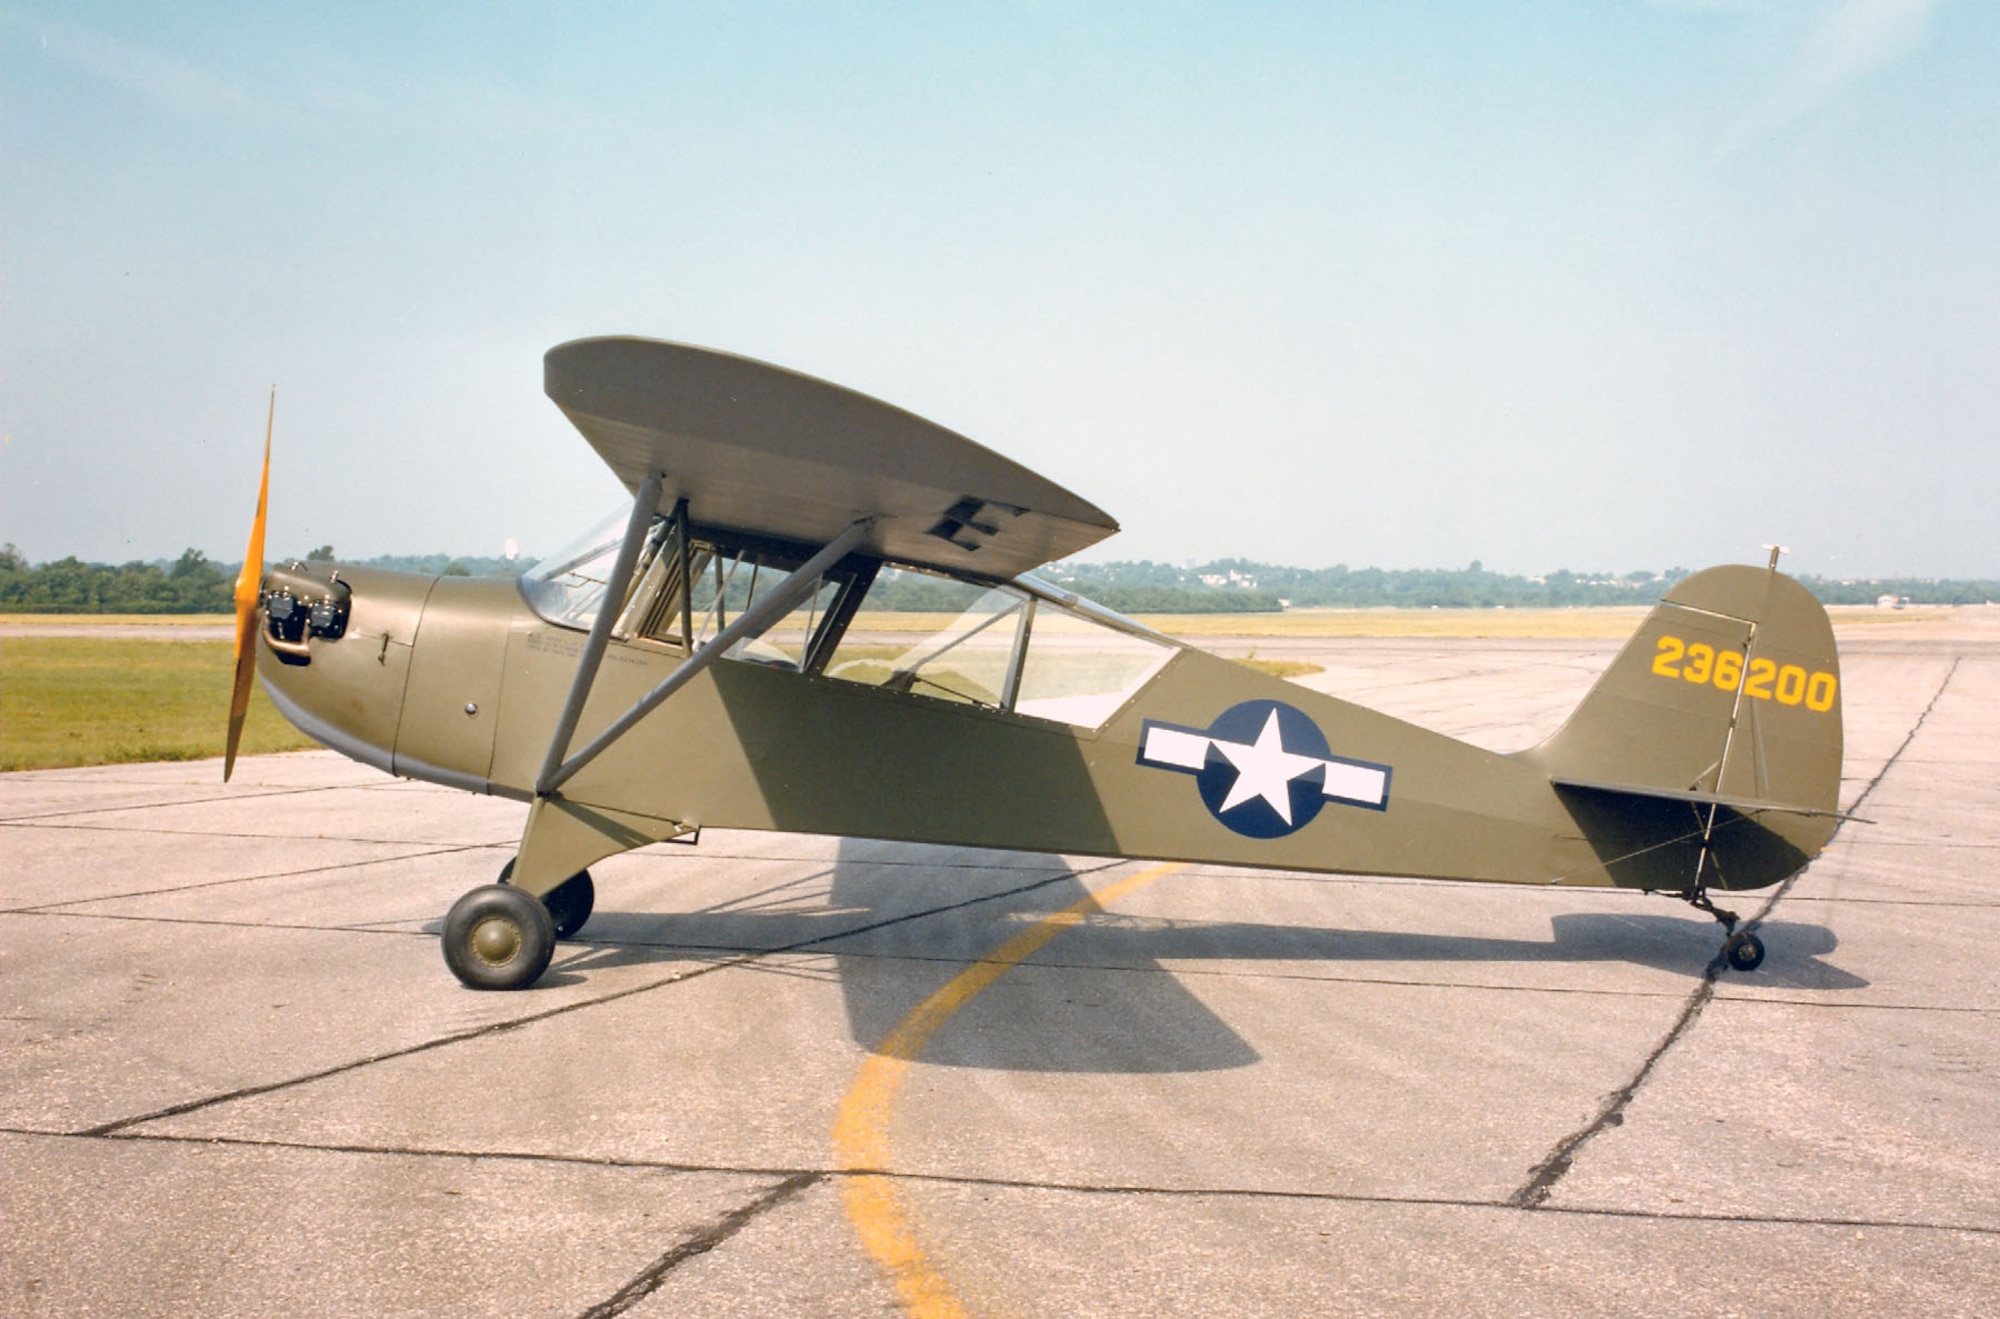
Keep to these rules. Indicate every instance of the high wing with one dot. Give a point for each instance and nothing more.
(760, 449)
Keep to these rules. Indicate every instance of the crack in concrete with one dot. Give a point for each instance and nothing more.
(189, 801)
(1543, 1177)
(699, 1243)
(1021, 1183)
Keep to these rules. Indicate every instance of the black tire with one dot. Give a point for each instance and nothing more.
(1744, 952)
(497, 937)
(569, 903)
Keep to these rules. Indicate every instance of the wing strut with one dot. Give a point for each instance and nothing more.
(644, 504)
(775, 603)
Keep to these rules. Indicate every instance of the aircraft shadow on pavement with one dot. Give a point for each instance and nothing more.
(1055, 1013)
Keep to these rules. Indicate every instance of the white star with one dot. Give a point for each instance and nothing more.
(1264, 769)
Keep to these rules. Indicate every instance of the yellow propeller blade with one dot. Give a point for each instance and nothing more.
(247, 583)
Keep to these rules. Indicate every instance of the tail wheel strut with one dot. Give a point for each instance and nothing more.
(1742, 950)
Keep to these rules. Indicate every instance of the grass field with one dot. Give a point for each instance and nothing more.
(119, 620)
(83, 701)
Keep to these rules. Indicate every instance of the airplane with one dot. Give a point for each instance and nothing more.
(709, 658)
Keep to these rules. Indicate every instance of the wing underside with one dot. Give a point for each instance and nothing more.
(756, 448)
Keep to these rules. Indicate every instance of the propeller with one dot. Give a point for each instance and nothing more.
(247, 583)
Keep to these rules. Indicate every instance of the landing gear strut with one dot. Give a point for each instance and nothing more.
(569, 902)
(1740, 952)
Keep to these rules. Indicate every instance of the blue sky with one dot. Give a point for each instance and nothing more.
(1587, 285)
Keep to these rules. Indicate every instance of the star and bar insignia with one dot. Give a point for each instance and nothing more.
(1264, 768)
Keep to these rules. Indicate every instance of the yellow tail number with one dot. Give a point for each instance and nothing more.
(1763, 680)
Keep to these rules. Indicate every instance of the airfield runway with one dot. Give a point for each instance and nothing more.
(792, 1075)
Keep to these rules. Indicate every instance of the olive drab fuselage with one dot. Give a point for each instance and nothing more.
(458, 681)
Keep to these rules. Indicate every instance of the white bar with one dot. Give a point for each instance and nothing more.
(1355, 783)
(1171, 746)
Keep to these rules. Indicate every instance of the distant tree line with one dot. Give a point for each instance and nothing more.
(188, 585)
(1472, 587)
(192, 584)
(1915, 590)
(1274, 586)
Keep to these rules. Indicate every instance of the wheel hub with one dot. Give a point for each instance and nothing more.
(496, 941)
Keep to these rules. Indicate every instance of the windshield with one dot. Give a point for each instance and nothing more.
(567, 587)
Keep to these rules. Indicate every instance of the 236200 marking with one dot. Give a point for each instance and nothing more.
(1766, 680)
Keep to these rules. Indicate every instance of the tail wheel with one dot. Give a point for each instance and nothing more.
(497, 937)
(570, 902)
(1743, 952)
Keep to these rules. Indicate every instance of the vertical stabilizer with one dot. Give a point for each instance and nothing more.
(1729, 690)
(1731, 686)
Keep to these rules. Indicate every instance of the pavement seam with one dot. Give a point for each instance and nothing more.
(700, 1243)
(195, 801)
(1543, 1177)
(57, 908)
(1014, 1183)
(112, 1128)
(364, 927)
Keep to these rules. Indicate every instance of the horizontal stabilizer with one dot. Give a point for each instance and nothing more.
(1741, 805)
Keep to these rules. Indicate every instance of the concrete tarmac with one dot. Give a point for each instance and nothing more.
(238, 1079)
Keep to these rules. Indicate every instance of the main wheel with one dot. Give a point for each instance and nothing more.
(497, 937)
(569, 902)
(1743, 952)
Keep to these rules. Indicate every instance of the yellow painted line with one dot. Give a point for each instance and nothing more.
(861, 1130)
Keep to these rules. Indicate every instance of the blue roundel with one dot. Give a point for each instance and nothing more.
(1274, 754)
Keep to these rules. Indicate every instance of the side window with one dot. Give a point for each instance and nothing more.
(653, 610)
(966, 656)
(725, 583)
(1002, 649)
(1079, 671)
(568, 589)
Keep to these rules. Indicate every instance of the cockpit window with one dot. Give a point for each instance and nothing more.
(1021, 646)
(727, 584)
(970, 656)
(567, 587)
(726, 574)
(1079, 671)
